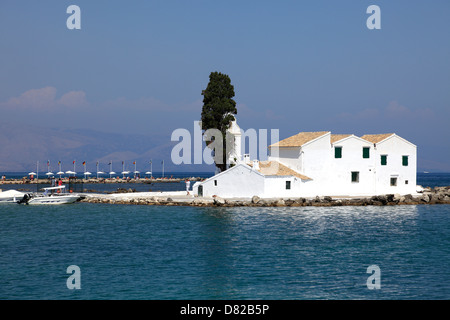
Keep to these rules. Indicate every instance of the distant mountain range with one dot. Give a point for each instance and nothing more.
(22, 145)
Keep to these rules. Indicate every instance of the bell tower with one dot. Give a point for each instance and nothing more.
(235, 156)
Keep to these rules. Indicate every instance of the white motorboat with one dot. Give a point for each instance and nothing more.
(51, 195)
(11, 196)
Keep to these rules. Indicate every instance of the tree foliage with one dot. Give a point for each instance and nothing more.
(218, 109)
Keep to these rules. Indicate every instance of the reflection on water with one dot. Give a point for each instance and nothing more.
(316, 220)
(309, 251)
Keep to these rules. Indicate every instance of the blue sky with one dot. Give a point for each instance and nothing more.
(140, 66)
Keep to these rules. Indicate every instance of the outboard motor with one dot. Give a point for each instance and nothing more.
(25, 199)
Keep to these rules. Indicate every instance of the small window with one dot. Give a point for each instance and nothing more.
(288, 185)
(338, 152)
(383, 159)
(355, 176)
(405, 161)
(406, 181)
(366, 152)
(215, 183)
(393, 182)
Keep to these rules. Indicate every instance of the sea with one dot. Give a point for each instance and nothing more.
(89, 251)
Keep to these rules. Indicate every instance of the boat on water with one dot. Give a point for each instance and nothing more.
(51, 195)
(11, 196)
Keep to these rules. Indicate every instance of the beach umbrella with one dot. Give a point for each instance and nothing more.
(32, 174)
(60, 172)
(49, 173)
(87, 174)
(71, 172)
(99, 172)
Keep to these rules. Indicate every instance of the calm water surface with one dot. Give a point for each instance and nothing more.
(152, 252)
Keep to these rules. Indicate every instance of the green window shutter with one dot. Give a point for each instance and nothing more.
(405, 160)
(338, 152)
(355, 176)
(366, 152)
(288, 185)
(393, 182)
(384, 160)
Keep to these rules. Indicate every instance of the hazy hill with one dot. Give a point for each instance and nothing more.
(21, 146)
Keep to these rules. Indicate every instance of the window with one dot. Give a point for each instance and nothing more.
(405, 161)
(366, 152)
(393, 182)
(338, 152)
(288, 185)
(406, 181)
(215, 183)
(355, 176)
(383, 159)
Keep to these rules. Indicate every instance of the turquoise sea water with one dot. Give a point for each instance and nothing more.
(157, 252)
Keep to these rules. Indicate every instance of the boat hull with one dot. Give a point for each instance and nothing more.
(10, 196)
(53, 200)
(10, 200)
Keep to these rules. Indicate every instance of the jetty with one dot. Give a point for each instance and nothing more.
(437, 195)
(65, 180)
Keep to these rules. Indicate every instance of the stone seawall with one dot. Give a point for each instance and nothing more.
(438, 195)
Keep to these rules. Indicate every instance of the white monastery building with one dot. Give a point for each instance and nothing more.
(311, 164)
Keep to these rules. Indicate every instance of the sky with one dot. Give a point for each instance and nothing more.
(139, 67)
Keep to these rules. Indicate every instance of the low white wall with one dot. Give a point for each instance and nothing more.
(239, 181)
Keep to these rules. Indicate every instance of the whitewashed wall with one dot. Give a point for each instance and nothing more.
(275, 186)
(289, 156)
(339, 181)
(330, 176)
(238, 181)
(395, 147)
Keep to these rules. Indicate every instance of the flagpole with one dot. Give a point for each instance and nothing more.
(163, 168)
(151, 168)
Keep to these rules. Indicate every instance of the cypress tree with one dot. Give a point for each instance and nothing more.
(218, 109)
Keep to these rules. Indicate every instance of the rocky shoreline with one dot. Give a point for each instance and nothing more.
(437, 195)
